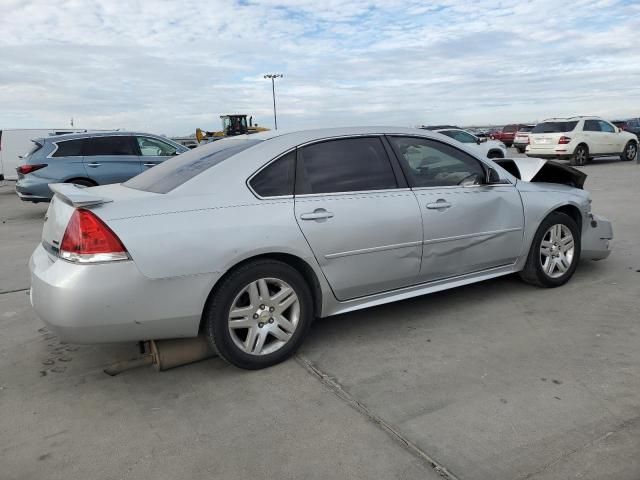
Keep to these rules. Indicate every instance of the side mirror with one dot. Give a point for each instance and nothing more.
(492, 177)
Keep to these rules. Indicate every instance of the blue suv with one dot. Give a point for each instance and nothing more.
(89, 159)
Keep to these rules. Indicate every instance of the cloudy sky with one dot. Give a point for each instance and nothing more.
(171, 66)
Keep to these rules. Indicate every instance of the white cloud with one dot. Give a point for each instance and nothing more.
(169, 67)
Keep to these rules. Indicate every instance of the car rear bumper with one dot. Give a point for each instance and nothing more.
(596, 238)
(31, 190)
(114, 302)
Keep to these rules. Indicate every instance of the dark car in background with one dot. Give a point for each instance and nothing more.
(631, 125)
(89, 159)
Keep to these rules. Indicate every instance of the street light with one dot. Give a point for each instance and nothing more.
(273, 77)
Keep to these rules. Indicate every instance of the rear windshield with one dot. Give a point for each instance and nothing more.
(510, 128)
(554, 127)
(177, 170)
(526, 128)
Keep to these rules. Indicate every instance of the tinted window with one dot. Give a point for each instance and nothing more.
(348, 165)
(591, 126)
(554, 127)
(69, 148)
(276, 179)
(177, 170)
(526, 128)
(606, 127)
(151, 147)
(109, 146)
(36, 146)
(429, 163)
(510, 128)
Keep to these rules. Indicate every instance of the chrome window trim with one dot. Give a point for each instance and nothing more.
(354, 192)
(448, 187)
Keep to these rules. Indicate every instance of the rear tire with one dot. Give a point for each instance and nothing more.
(521, 150)
(552, 259)
(630, 151)
(246, 321)
(580, 156)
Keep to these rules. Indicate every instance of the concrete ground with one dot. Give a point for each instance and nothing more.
(498, 380)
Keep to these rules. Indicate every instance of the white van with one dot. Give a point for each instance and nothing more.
(14, 143)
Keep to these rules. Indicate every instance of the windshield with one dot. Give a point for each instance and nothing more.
(177, 170)
(554, 127)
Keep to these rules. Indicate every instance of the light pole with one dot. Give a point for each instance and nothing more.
(273, 77)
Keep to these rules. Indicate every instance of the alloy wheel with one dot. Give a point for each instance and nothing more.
(631, 151)
(557, 250)
(264, 316)
(581, 156)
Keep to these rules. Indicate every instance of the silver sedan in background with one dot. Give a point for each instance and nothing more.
(250, 238)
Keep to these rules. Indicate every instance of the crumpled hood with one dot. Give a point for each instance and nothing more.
(540, 170)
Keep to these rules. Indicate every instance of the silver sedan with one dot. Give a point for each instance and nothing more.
(250, 238)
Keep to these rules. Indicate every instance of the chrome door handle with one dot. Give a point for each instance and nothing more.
(150, 164)
(93, 165)
(317, 214)
(440, 204)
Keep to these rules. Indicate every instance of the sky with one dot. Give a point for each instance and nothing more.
(168, 67)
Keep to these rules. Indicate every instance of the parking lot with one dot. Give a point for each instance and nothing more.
(497, 380)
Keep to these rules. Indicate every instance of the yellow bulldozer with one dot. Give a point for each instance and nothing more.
(232, 125)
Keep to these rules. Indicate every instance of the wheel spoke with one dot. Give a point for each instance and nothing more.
(284, 323)
(282, 294)
(287, 302)
(254, 295)
(549, 265)
(250, 341)
(262, 336)
(263, 289)
(566, 244)
(280, 334)
(241, 312)
(241, 323)
(562, 264)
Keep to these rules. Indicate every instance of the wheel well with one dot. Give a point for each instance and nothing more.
(583, 145)
(84, 179)
(573, 212)
(295, 262)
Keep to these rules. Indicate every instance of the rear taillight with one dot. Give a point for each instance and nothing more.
(24, 169)
(563, 140)
(87, 239)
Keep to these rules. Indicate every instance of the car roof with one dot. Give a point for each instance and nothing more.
(90, 134)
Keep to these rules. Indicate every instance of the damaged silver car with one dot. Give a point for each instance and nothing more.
(248, 239)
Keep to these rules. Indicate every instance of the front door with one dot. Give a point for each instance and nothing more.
(111, 158)
(153, 151)
(468, 226)
(360, 220)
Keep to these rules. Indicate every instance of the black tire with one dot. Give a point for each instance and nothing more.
(521, 150)
(533, 272)
(216, 313)
(82, 181)
(495, 154)
(580, 155)
(630, 151)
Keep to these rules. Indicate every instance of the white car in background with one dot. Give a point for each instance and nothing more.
(579, 139)
(481, 146)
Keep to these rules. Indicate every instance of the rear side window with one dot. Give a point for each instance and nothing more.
(346, 165)
(277, 178)
(36, 146)
(69, 148)
(109, 146)
(554, 127)
(177, 170)
(591, 126)
(526, 128)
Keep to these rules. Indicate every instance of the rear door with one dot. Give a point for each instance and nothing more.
(468, 226)
(611, 138)
(361, 221)
(111, 159)
(153, 151)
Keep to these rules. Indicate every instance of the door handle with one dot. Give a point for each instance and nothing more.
(93, 165)
(150, 164)
(438, 205)
(317, 214)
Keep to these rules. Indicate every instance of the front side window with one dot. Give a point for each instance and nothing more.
(606, 127)
(591, 126)
(69, 148)
(151, 147)
(115, 145)
(277, 178)
(429, 163)
(346, 165)
(460, 136)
